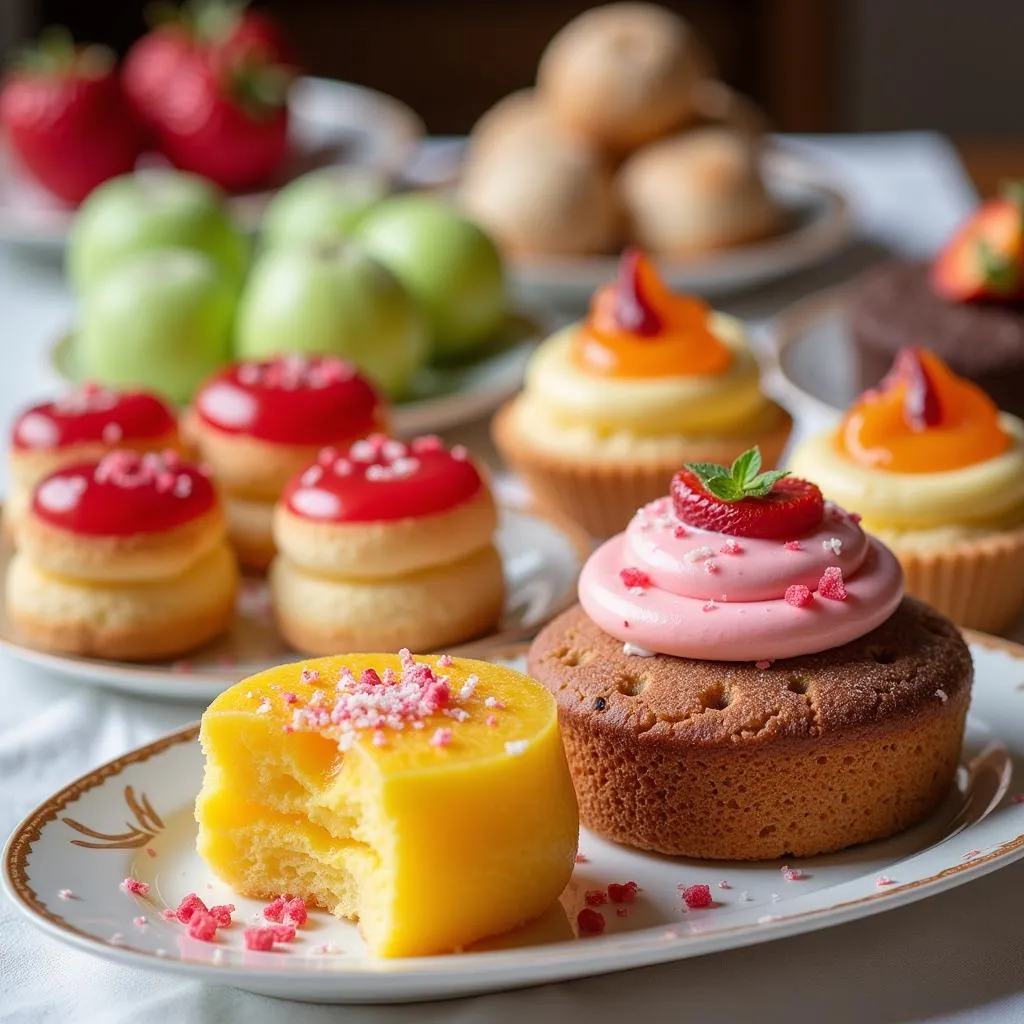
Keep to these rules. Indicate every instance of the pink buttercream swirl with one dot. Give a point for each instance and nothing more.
(715, 597)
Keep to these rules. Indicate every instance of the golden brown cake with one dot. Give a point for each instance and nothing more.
(726, 760)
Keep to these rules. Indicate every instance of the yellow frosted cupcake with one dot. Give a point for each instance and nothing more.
(937, 472)
(427, 798)
(615, 404)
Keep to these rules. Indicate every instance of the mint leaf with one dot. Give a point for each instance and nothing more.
(707, 471)
(724, 488)
(746, 466)
(762, 484)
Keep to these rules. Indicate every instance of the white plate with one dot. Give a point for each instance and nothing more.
(440, 397)
(100, 829)
(332, 123)
(542, 556)
(819, 225)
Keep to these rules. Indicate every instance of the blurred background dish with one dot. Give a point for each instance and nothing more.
(332, 124)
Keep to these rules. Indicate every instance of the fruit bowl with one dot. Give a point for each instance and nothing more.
(440, 396)
(332, 123)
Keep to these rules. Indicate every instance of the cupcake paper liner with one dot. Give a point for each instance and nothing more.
(978, 584)
(602, 496)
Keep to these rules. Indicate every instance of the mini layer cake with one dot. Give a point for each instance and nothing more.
(125, 558)
(259, 423)
(428, 799)
(82, 427)
(386, 543)
(744, 679)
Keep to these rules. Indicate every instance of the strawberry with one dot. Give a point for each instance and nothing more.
(229, 124)
(232, 32)
(633, 312)
(152, 65)
(984, 259)
(744, 502)
(66, 118)
(922, 407)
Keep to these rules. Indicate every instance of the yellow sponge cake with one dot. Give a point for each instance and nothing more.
(427, 798)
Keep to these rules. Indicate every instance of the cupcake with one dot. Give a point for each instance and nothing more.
(938, 474)
(258, 423)
(613, 405)
(743, 678)
(697, 192)
(623, 74)
(83, 426)
(385, 545)
(427, 798)
(967, 307)
(125, 558)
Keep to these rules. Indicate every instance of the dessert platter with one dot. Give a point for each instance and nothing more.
(745, 730)
(628, 136)
(125, 531)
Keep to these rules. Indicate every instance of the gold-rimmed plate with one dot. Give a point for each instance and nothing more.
(542, 555)
(133, 817)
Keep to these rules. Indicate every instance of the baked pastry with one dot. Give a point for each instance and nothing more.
(83, 426)
(623, 74)
(125, 558)
(717, 104)
(938, 474)
(896, 305)
(398, 792)
(258, 423)
(613, 405)
(744, 680)
(383, 545)
(539, 191)
(696, 192)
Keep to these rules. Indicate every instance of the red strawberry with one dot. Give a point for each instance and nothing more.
(984, 259)
(745, 503)
(66, 118)
(228, 124)
(152, 65)
(231, 32)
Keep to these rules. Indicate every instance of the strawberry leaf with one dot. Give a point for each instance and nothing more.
(760, 485)
(1001, 273)
(707, 470)
(724, 488)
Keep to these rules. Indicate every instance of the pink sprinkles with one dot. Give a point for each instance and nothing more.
(635, 578)
(831, 584)
(133, 887)
(696, 897)
(378, 703)
(799, 596)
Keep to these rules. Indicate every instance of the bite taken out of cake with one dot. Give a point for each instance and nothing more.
(426, 798)
(743, 678)
(383, 544)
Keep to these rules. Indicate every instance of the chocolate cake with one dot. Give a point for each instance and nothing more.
(895, 305)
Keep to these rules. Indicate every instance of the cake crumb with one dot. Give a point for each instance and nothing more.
(581, 858)
(971, 854)
(259, 939)
(141, 921)
(595, 897)
(792, 874)
(732, 547)
(622, 911)
(1017, 798)
(723, 884)
(516, 747)
(202, 926)
(942, 695)
(590, 922)
(793, 545)
(133, 887)
(798, 596)
(66, 894)
(882, 881)
(696, 897)
(624, 893)
(710, 566)
(831, 585)
(762, 664)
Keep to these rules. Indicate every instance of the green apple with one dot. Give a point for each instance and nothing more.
(448, 263)
(332, 299)
(135, 213)
(161, 321)
(322, 206)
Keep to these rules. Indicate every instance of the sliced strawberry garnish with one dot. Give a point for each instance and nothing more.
(743, 502)
(983, 260)
(922, 407)
(633, 312)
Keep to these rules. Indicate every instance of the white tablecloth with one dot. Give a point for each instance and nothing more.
(955, 957)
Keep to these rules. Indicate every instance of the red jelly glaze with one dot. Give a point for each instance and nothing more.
(293, 399)
(94, 415)
(125, 493)
(380, 479)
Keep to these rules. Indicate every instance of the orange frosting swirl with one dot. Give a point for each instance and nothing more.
(637, 327)
(922, 419)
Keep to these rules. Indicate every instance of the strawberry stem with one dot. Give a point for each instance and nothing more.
(56, 53)
(633, 312)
